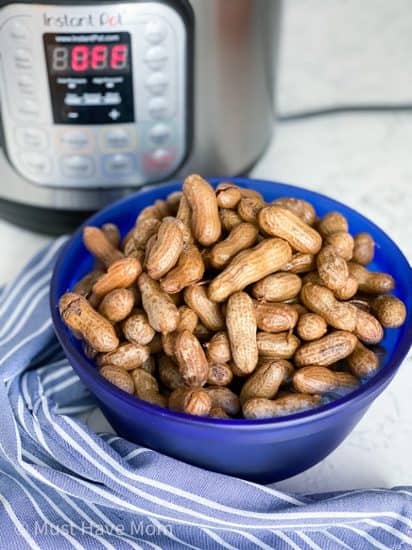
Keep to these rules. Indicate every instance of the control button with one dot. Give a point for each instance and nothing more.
(155, 32)
(159, 160)
(25, 83)
(23, 58)
(74, 140)
(119, 165)
(31, 138)
(160, 133)
(28, 107)
(157, 107)
(18, 31)
(35, 163)
(156, 57)
(157, 83)
(78, 166)
(117, 139)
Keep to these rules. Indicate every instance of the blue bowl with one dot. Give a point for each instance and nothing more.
(258, 450)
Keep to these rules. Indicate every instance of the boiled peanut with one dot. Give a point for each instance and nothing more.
(146, 388)
(149, 365)
(187, 319)
(276, 346)
(250, 266)
(166, 249)
(390, 311)
(259, 408)
(118, 377)
(371, 282)
(83, 320)
(333, 222)
(224, 398)
(320, 380)
(162, 313)
(218, 412)
(248, 209)
(300, 207)
(279, 222)
(363, 362)
(311, 326)
(348, 290)
(368, 329)
(191, 359)
(227, 195)
(229, 218)
(194, 401)
(189, 270)
(326, 350)
(206, 224)
(120, 274)
(342, 242)
(85, 285)
(127, 356)
(332, 268)
(219, 374)
(241, 237)
(162, 207)
(321, 300)
(364, 248)
(218, 349)
(173, 201)
(137, 329)
(99, 245)
(143, 231)
(169, 373)
(278, 287)
(112, 233)
(241, 330)
(266, 380)
(148, 212)
(117, 304)
(272, 317)
(208, 311)
(300, 263)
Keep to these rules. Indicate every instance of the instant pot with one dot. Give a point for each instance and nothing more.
(98, 99)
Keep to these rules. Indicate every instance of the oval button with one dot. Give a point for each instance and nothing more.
(157, 83)
(155, 32)
(156, 57)
(158, 107)
(23, 58)
(31, 138)
(35, 163)
(18, 31)
(74, 140)
(78, 166)
(117, 138)
(160, 133)
(119, 164)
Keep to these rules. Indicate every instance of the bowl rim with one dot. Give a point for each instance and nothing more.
(367, 391)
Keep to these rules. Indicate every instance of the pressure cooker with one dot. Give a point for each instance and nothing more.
(98, 99)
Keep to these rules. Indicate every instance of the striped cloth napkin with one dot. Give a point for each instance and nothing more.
(64, 486)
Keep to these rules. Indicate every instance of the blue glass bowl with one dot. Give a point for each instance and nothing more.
(259, 450)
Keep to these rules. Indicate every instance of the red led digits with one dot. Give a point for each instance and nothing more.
(118, 58)
(80, 58)
(99, 56)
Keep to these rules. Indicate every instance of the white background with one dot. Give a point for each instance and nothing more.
(337, 52)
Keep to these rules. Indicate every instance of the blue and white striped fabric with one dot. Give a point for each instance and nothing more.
(64, 486)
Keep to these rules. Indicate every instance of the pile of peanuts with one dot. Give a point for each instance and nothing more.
(219, 304)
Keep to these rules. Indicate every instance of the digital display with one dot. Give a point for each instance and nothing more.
(90, 77)
(89, 58)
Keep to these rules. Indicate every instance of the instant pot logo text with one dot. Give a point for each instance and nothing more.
(102, 19)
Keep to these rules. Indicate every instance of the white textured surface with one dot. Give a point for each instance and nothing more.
(338, 52)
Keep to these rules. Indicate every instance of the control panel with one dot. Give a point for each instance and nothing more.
(94, 96)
